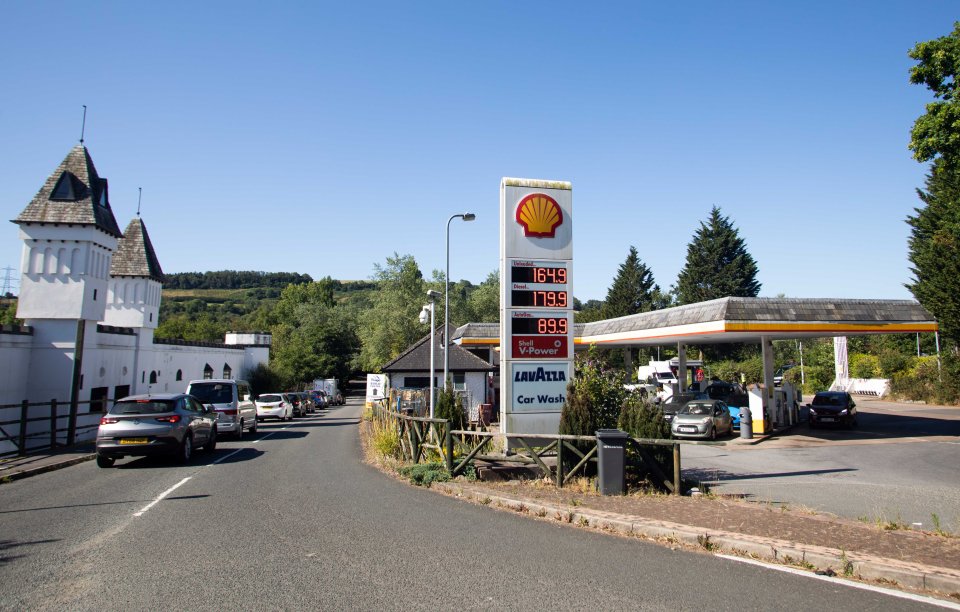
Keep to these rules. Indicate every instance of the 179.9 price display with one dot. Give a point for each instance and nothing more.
(540, 298)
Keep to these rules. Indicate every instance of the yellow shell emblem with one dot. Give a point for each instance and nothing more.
(540, 215)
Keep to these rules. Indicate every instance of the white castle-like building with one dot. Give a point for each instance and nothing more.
(90, 301)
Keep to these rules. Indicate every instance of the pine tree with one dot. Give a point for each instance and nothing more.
(718, 264)
(934, 248)
(934, 243)
(633, 289)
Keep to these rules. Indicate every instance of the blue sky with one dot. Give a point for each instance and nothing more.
(321, 138)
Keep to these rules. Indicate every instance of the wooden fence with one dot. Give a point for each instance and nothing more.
(559, 457)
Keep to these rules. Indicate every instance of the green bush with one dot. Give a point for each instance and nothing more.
(449, 406)
(642, 420)
(425, 474)
(817, 378)
(893, 362)
(864, 366)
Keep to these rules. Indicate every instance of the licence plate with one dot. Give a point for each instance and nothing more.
(133, 440)
(827, 419)
(687, 429)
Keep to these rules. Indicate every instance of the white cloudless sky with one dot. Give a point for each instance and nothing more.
(321, 138)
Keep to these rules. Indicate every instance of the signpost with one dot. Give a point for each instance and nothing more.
(536, 303)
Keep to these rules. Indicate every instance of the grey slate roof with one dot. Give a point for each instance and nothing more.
(86, 190)
(755, 310)
(417, 358)
(135, 255)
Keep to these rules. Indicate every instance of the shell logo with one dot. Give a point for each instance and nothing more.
(540, 215)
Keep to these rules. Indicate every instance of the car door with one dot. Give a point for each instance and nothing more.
(721, 417)
(245, 406)
(202, 421)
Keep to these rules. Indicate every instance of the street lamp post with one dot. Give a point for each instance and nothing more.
(446, 298)
(433, 295)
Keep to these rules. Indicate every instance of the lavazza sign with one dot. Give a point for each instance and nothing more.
(536, 303)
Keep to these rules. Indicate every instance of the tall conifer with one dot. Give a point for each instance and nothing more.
(718, 264)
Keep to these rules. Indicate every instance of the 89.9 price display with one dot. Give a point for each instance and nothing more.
(539, 298)
(541, 326)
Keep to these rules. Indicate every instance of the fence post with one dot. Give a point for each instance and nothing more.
(24, 409)
(448, 444)
(676, 470)
(53, 424)
(560, 463)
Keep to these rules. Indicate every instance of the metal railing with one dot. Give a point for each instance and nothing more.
(58, 421)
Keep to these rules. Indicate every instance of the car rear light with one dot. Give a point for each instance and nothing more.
(173, 418)
(108, 420)
(229, 412)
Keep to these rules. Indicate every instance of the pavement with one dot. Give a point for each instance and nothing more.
(933, 567)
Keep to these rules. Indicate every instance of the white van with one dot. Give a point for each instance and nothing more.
(233, 401)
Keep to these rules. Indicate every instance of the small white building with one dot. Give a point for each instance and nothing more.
(90, 300)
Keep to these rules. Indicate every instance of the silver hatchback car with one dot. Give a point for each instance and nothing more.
(160, 424)
(702, 419)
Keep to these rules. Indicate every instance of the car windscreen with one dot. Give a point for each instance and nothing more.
(143, 407)
(212, 393)
(266, 399)
(697, 408)
(828, 400)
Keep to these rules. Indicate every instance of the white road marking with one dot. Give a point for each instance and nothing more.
(176, 486)
(850, 583)
(162, 495)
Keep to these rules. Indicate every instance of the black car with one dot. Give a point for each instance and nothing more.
(833, 407)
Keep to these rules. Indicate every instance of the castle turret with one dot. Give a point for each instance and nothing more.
(69, 234)
(133, 294)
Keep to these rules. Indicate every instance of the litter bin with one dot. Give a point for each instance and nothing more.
(746, 423)
(611, 459)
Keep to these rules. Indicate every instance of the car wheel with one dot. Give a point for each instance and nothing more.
(713, 433)
(211, 444)
(186, 449)
(813, 424)
(240, 430)
(105, 462)
(253, 428)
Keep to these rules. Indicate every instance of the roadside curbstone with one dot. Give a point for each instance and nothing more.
(845, 564)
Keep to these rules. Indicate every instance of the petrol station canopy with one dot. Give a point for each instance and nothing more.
(737, 319)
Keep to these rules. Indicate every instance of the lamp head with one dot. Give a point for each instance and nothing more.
(433, 294)
(469, 216)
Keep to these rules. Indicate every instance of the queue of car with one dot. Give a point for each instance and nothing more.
(175, 424)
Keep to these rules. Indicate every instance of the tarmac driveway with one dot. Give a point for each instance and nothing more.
(897, 466)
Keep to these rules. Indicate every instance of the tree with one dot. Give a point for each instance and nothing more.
(934, 243)
(313, 337)
(392, 323)
(935, 134)
(718, 264)
(633, 289)
(934, 249)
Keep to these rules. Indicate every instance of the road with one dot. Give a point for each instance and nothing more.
(897, 466)
(293, 519)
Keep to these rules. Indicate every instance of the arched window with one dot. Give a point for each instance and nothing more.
(207, 371)
(153, 378)
(179, 374)
(227, 371)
